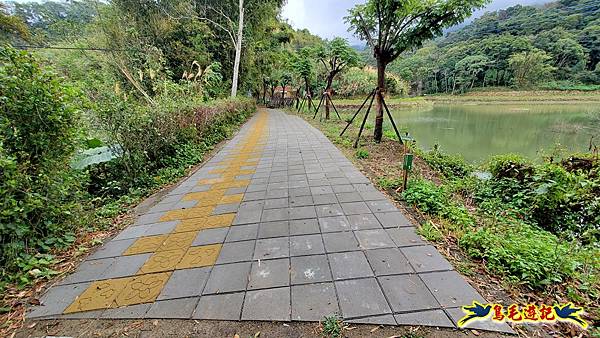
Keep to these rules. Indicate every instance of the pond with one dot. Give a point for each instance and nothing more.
(478, 131)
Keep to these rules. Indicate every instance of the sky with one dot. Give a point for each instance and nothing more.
(326, 17)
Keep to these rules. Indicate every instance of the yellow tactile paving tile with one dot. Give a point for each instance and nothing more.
(237, 198)
(232, 184)
(219, 221)
(195, 212)
(163, 261)
(199, 256)
(99, 295)
(145, 245)
(142, 289)
(189, 225)
(196, 196)
(176, 241)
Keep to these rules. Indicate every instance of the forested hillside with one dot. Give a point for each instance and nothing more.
(555, 46)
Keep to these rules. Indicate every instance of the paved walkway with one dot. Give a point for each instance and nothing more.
(280, 226)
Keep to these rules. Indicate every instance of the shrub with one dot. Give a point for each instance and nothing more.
(39, 193)
(451, 166)
(436, 201)
(362, 154)
(531, 256)
(510, 166)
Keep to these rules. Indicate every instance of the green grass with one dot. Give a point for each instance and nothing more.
(331, 327)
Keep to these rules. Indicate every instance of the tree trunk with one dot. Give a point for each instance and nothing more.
(283, 96)
(328, 93)
(378, 132)
(308, 93)
(238, 50)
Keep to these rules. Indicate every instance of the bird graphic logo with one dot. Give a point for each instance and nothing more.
(569, 313)
(474, 311)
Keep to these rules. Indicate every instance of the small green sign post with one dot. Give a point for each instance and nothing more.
(407, 166)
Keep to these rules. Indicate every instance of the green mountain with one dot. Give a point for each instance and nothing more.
(557, 44)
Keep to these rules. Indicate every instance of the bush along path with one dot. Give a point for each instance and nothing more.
(531, 229)
(277, 226)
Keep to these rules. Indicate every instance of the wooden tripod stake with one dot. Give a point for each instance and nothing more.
(375, 92)
(326, 96)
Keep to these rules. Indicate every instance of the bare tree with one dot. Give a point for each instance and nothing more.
(235, 31)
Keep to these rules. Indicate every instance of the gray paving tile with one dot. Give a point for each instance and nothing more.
(324, 199)
(450, 289)
(321, 190)
(329, 210)
(211, 236)
(123, 266)
(236, 252)
(88, 271)
(272, 215)
(304, 227)
(276, 203)
(313, 302)
(309, 269)
(425, 258)
(374, 239)
(392, 219)
(343, 189)
(381, 206)
(372, 195)
(133, 311)
(300, 201)
(227, 278)
(456, 314)
(228, 208)
(160, 228)
(150, 218)
(274, 229)
(173, 308)
(269, 248)
(437, 318)
(355, 208)
(306, 245)
(221, 307)
(268, 304)
(340, 241)
(269, 274)
(132, 232)
(368, 302)
(407, 293)
(185, 283)
(302, 212)
(389, 261)
(242, 233)
(57, 299)
(377, 320)
(333, 224)
(363, 222)
(112, 249)
(247, 216)
(405, 236)
(347, 265)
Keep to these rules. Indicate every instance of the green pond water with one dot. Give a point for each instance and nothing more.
(482, 130)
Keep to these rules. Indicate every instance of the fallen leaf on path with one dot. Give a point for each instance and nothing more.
(475, 332)
(155, 322)
(32, 325)
(376, 328)
(257, 334)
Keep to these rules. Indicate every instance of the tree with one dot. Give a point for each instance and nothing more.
(11, 26)
(304, 67)
(336, 56)
(530, 67)
(469, 68)
(391, 27)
